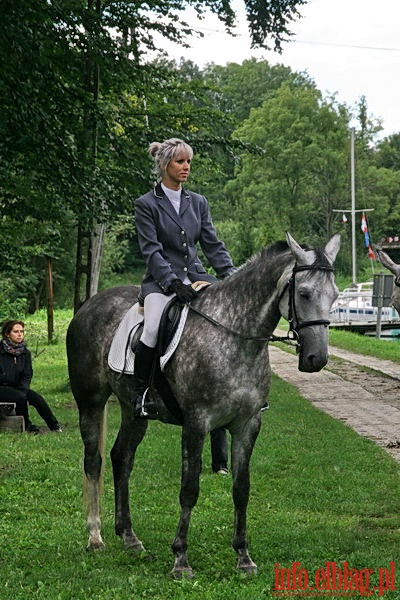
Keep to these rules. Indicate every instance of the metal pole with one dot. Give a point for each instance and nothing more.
(353, 210)
(381, 281)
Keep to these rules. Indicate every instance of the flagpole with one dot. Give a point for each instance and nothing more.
(353, 210)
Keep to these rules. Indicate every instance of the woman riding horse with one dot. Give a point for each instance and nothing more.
(170, 221)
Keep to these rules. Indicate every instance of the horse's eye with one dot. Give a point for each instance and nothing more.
(305, 293)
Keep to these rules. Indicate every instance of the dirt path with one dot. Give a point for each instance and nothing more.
(361, 391)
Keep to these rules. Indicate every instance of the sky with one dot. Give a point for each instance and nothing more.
(350, 48)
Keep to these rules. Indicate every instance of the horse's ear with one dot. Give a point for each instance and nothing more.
(332, 247)
(387, 261)
(302, 255)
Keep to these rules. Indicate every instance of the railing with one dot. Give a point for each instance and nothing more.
(357, 306)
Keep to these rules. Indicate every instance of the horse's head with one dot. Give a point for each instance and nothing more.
(307, 299)
(395, 269)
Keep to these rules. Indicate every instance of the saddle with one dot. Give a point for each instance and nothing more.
(171, 326)
(169, 322)
(122, 351)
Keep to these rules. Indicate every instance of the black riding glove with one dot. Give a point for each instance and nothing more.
(184, 293)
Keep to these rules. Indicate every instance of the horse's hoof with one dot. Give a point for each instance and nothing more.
(131, 542)
(95, 545)
(135, 546)
(248, 568)
(182, 573)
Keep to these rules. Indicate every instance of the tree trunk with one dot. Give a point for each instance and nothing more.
(90, 236)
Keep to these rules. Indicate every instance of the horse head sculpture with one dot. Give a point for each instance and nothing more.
(394, 268)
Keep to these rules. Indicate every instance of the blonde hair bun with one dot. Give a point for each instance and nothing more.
(154, 148)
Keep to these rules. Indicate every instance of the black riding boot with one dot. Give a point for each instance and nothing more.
(142, 404)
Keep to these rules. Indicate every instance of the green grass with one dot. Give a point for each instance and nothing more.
(386, 349)
(319, 493)
(362, 344)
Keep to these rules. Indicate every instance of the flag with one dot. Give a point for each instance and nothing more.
(364, 229)
(344, 218)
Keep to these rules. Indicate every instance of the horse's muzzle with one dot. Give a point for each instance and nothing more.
(311, 362)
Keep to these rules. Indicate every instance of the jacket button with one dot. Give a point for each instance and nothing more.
(185, 268)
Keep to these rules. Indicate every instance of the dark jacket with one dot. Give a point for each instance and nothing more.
(168, 240)
(16, 371)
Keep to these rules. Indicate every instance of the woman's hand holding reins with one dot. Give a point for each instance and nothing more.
(184, 293)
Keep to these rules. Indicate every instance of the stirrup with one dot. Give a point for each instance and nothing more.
(141, 411)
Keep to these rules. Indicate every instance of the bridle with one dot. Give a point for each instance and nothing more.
(294, 324)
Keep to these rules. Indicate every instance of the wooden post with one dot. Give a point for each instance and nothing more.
(50, 300)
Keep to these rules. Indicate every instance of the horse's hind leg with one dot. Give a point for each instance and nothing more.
(92, 423)
(242, 448)
(123, 452)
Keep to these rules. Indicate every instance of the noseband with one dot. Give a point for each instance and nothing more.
(294, 324)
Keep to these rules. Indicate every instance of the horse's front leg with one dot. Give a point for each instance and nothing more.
(123, 453)
(242, 448)
(192, 448)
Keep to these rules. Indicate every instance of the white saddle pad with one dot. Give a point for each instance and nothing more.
(121, 358)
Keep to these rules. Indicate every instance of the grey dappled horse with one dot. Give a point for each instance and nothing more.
(395, 269)
(219, 374)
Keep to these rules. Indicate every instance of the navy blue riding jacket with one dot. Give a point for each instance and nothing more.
(168, 240)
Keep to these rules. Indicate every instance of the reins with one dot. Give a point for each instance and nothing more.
(234, 332)
(292, 336)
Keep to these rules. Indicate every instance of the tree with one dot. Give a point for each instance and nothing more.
(300, 173)
(381, 191)
(387, 153)
(384, 181)
(244, 86)
(236, 90)
(63, 65)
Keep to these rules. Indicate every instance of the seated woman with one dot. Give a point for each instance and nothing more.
(16, 375)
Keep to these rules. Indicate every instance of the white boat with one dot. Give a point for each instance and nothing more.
(355, 304)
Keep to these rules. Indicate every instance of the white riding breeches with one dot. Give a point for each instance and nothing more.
(154, 305)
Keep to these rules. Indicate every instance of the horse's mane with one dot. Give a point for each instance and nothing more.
(268, 253)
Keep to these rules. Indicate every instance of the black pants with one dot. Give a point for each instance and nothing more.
(23, 399)
(219, 449)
